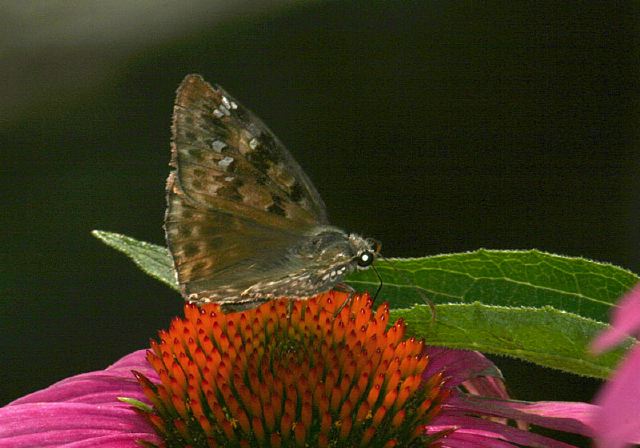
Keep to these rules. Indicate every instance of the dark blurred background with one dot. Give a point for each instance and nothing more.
(433, 126)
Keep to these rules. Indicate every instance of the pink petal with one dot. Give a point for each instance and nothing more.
(487, 397)
(101, 386)
(461, 440)
(617, 423)
(562, 416)
(477, 432)
(486, 386)
(57, 424)
(625, 321)
(82, 411)
(459, 365)
(470, 369)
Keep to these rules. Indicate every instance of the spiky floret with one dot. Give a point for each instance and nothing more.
(292, 376)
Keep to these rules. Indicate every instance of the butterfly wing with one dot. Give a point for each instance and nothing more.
(236, 199)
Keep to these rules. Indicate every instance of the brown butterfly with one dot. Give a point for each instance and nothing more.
(244, 224)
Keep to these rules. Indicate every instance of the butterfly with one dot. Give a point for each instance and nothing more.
(244, 224)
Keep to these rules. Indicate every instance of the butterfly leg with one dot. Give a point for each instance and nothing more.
(289, 309)
(343, 287)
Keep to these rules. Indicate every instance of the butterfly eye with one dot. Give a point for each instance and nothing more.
(365, 259)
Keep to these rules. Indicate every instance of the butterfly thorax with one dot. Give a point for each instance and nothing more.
(328, 254)
(320, 261)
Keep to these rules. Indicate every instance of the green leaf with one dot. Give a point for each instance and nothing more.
(505, 278)
(531, 305)
(545, 336)
(152, 259)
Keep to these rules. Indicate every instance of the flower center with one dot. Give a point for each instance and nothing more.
(306, 378)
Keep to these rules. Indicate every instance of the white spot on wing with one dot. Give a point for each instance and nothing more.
(218, 146)
(224, 163)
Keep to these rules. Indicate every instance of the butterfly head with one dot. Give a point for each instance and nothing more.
(330, 254)
(366, 250)
(335, 247)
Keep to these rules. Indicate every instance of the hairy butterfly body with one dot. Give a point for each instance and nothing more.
(244, 224)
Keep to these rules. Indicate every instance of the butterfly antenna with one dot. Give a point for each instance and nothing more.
(375, 296)
(424, 298)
